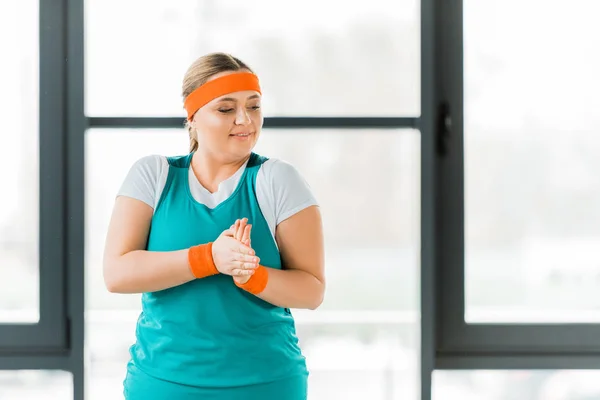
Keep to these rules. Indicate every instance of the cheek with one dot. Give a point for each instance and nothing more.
(257, 120)
(213, 126)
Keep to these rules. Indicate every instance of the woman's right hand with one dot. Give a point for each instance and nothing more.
(231, 257)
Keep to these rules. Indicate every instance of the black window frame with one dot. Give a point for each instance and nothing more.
(21, 343)
(483, 345)
(447, 342)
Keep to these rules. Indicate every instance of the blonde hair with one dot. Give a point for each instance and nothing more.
(200, 72)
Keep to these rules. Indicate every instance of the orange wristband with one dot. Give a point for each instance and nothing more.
(257, 282)
(201, 260)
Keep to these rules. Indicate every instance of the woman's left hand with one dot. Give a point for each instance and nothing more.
(241, 230)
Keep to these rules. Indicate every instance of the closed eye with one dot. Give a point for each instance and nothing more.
(225, 111)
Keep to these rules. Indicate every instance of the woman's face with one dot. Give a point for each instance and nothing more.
(229, 126)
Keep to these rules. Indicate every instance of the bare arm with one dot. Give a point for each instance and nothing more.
(302, 283)
(128, 267)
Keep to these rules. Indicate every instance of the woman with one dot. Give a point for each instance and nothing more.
(221, 243)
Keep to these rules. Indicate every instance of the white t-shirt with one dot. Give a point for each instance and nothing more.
(280, 189)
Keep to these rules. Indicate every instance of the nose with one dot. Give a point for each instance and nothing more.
(242, 117)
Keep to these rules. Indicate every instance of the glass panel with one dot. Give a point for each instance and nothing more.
(516, 385)
(314, 58)
(363, 342)
(531, 159)
(36, 384)
(19, 203)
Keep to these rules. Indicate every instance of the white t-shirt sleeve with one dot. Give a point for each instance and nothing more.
(286, 191)
(146, 179)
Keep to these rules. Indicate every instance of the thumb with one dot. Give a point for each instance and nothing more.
(228, 232)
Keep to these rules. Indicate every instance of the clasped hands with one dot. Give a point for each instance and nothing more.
(233, 254)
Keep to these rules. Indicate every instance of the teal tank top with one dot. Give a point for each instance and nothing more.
(208, 332)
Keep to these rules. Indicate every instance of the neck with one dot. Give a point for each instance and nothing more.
(211, 171)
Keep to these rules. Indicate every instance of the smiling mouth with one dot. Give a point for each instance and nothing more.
(241, 134)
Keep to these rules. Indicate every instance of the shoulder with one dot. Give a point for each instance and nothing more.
(147, 169)
(287, 190)
(144, 177)
(280, 172)
(150, 163)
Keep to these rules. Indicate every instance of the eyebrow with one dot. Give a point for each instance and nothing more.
(254, 96)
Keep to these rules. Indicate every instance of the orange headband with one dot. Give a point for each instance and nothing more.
(218, 87)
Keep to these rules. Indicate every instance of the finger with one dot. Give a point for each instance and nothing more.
(241, 228)
(246, 235)
(239, 257)
(242, 272)
(245, 265)
(246, 258)
(246, 243)
(228, 232)
(236, 228)
(243, 249)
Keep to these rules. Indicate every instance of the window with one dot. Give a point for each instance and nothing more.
(36, 384)
(532, 198)
(516, 385)
(508, 260)
(364, 340)
(338, 61)
(518, 280)
(32, 216)
(19, 215)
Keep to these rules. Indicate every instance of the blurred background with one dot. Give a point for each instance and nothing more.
(532, 181)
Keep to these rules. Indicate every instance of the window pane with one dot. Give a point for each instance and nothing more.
(36, 384)
(516, 385)
(364, 340)
(19, 204)
(531, 158)
(313, 58)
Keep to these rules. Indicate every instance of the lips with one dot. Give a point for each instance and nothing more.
(240, 134)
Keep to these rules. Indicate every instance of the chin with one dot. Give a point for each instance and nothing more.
(240, 152)
(242, 145)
